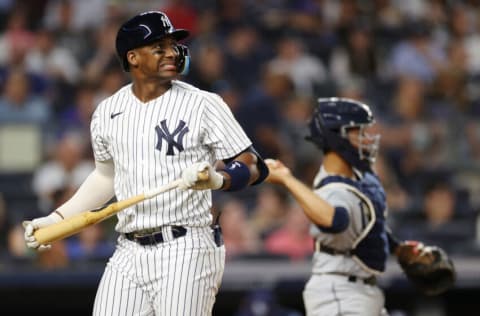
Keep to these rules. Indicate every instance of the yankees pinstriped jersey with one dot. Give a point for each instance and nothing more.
(364, 199)
(151, 143)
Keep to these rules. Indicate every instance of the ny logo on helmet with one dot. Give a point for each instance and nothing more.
(164, 134)
(166, 22)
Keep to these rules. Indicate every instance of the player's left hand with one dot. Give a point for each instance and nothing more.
(191, 180)
(33, 225)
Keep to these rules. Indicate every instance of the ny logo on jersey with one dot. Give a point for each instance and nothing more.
(164, 134)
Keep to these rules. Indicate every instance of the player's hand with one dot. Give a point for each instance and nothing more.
(31, 226)
(191, 180)
(277, 171)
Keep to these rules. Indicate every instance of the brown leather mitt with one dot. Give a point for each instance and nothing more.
(428, 267)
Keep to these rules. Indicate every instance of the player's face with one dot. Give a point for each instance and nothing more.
(364, 136)
(366, 139)
(158, 60)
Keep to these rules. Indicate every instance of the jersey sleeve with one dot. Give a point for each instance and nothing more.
(223, 133)
(99, 143)
(341, 197)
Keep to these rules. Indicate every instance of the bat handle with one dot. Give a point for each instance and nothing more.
(203, 175)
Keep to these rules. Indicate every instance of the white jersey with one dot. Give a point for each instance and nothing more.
(152, 143)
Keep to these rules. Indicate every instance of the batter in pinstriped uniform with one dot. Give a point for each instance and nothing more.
(149, 133)
(347, 207)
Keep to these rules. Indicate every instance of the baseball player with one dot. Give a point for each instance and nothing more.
(347, 207)
(157, 129)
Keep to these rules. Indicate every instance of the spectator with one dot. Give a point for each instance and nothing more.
(19, 105)
(90, 245)
(293, 237)
(78, 115)
(418, 55)
(398, 200)
(103, 56)
(64, 170)
(208, 70)
(357, 60)
(49, 59)
(260, 114)
(239, 237)
(75, 16)
(270, 210)
(452, 84)
(441, 222)
(409, 134)
(245, 53)
(464, 32)
(113, 78)
(295, 113)
(16, 39)
(306, 71)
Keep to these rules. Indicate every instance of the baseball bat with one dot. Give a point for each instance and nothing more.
(75, 224)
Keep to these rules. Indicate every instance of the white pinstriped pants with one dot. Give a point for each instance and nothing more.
(334, 295)
(177, 277)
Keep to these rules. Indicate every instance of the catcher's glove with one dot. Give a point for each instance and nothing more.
(428, 267)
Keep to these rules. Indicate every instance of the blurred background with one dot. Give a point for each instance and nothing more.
(416, 62)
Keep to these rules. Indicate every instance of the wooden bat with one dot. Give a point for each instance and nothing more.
(73, 225)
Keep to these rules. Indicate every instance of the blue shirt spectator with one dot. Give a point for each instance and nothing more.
(18, 105)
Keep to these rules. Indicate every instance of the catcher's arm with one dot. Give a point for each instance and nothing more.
(393, 242)
(408, 251)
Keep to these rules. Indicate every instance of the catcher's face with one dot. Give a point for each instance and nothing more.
(366, 139)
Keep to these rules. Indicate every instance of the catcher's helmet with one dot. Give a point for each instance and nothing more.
(146, 28)
(329, 126)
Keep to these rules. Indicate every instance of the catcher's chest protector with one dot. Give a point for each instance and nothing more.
(372, 246)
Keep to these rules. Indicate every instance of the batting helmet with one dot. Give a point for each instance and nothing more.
(146, 28)
(329, 127)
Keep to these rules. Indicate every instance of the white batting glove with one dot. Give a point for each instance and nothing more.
(31, 226)
(190, 178)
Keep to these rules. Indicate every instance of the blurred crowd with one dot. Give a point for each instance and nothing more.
(417, 63)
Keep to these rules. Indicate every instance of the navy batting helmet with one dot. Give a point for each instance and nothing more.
(146, 28)
(332, 119)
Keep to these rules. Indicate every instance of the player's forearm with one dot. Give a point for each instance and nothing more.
(251, 170)
(249, 159)
(96, 190)
(315, 208)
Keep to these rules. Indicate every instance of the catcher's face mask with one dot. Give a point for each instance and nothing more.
(364, 138)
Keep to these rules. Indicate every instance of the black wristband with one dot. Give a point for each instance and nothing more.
(239, 175)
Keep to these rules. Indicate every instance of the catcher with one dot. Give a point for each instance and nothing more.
(347, 208)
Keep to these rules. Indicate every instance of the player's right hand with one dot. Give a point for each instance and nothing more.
(277, 171)
(191, 179)
(31, 226)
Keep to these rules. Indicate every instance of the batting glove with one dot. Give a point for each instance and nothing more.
(31, 226)
(191, 180)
